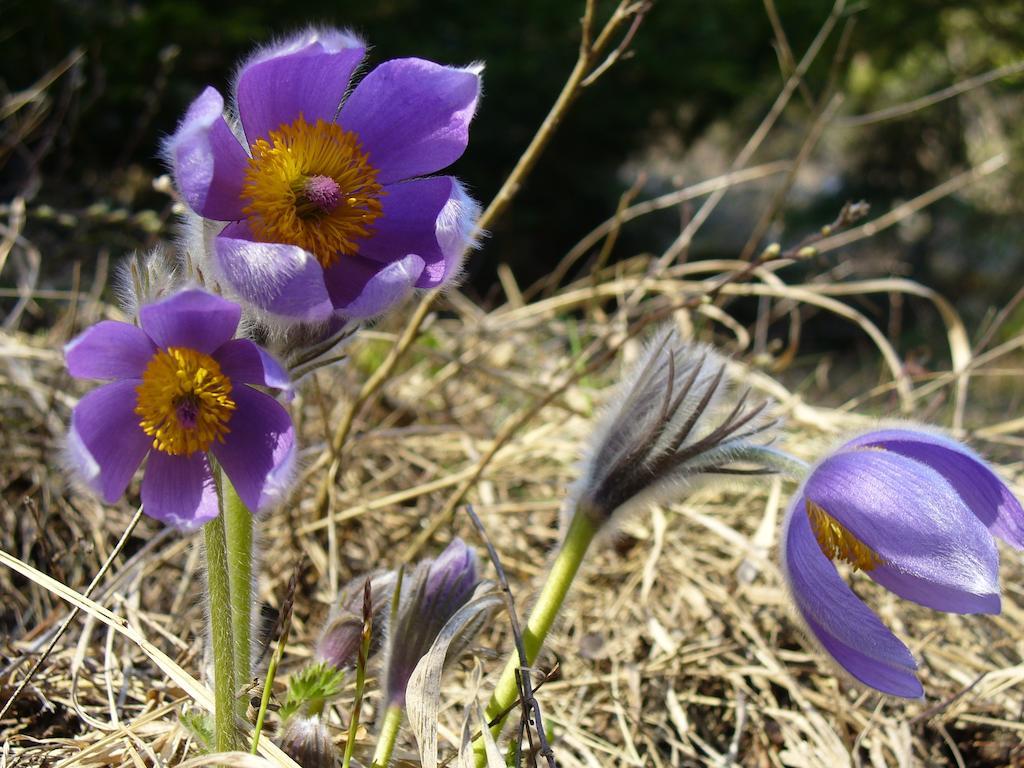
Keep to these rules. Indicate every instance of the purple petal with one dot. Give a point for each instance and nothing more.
(913, 519)
(847, 629)
(408, 222)
(450, 581)
(412, 116)
(245, 362)
(280, 279)
(981, 488)
(258, 454)
(179, 490)
(431, 218)
(105, 441)
(193, 319)
(208, 162)
(361, 288)
(306, 75)
(109, 350)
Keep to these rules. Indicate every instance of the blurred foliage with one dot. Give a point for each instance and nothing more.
(694, 67)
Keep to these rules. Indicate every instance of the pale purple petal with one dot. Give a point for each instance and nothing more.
(306, 75)
(192, 319)
(245, 362)
(455, 227)
(913, 519)
(981, 488)
(361, 288)
(412, 116)
(847, 629)
(283, 280)
(208, 162)
(258, 453)
(109, 350)
(105, 440)
(179, 490)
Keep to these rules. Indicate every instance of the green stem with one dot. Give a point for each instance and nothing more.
(581, 533)
(268, 683)
(217, 583)
(388, 736)
(238, 525)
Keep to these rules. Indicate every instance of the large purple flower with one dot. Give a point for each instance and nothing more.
(329, 207)
(179, 389)
(917, 512)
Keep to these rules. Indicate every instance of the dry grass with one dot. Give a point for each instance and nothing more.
(677, 648)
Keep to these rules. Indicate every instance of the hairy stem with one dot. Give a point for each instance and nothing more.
(238, 525)
(388, 736)
(219, 594)
(556, 587)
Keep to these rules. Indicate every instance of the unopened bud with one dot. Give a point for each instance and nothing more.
(432, 594)
(307, 741)
(342, 634)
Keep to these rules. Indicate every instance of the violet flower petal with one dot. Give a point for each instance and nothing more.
(848, 630)
(258, 453)
(408, 222)
(284, 280)
(105, 441)
(193, 319)
(431, 218)
(307, 75)
(208, 162)
(245, 362)
(412, 116)
(109, 350)
(361, 288)
(179, 490)
(971, 477)
(913, 519)
(450, 581)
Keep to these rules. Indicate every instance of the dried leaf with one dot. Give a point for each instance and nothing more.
(423, 695)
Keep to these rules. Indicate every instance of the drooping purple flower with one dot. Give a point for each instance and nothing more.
(917, 512)
(329, 205)
(431, 595)
(179, 390)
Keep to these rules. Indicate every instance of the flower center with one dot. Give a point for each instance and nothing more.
(312, 186)
(184, 401)
(838, 543)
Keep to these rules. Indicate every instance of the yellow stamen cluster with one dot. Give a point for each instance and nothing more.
(184, 401)
(838, 543)
(277, 177)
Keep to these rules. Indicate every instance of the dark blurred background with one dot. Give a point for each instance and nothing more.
(82, 150)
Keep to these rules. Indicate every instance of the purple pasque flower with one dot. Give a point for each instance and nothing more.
(431, 595)
(329, 205)
(917, 512)
(179, 390)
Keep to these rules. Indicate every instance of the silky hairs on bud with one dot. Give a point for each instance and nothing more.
(668, 426)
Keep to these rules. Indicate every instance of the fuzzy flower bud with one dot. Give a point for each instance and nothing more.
(431, 595)
(307, 741)
(342, 633)
(667, 427)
